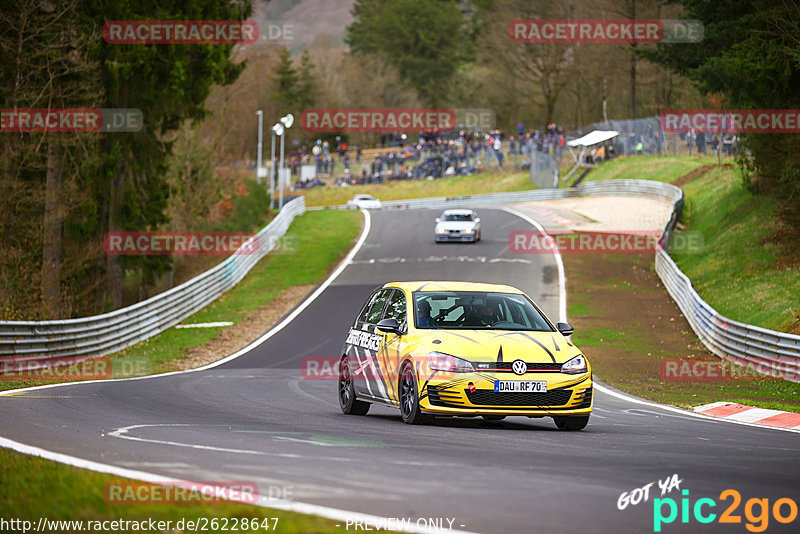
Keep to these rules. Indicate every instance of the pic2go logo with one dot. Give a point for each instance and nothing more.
(756, 511)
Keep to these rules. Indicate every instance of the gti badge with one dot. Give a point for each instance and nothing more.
(519, 367)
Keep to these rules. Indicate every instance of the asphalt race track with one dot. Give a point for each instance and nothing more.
(255, 418)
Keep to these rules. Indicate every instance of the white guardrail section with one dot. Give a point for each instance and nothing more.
(766, 351)
(110, 332)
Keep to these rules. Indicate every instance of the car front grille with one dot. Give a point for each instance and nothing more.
(506, 366)
(488, 397)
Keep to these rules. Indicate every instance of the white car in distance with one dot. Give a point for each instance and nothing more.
(458, 225)
(367, 202)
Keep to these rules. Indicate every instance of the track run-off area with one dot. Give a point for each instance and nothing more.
(253, 417)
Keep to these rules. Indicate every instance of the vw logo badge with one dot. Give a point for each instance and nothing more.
(519, 367)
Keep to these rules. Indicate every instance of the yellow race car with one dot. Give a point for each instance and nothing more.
(462, 349)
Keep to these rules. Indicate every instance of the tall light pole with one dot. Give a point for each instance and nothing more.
(260, 130)
(277, 129)
(286, 121)
(272, 170)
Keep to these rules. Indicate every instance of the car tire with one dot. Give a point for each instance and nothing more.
(571, 422)
(408, 393)
(348, 402)
(493, 417)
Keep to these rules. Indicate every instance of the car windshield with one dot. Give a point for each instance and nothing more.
(364, 197)
(457, 217)
(477, 310)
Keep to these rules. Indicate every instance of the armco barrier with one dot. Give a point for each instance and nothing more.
(768, 351)
(110, 332)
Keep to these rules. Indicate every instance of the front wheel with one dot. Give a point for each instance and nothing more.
(571, 422)
(348, 402)
(409, 397)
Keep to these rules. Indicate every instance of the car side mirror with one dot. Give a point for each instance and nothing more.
(438, 220)
(477, 219)
(389, 326)
(564, 328)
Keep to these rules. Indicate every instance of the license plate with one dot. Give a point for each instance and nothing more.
(516, 386)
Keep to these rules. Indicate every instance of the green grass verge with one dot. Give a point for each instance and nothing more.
(739, 271)
(322, 238)
(661, 168)
(34, 488)
(636, 369)
(491, 182)
(628, 355)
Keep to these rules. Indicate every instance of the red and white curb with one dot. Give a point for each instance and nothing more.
(751, 414)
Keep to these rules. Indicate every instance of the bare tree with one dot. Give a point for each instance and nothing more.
(546, 68)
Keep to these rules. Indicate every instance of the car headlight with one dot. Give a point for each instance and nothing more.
(469, 231)
(440, 230)
(439, 361)
(575, 365)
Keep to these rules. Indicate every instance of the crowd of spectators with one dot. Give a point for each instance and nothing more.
(434, 153)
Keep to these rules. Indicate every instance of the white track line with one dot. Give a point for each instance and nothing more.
(562, 277)
(263, 501)
(562, 294)
(274, 330)
(290, 506)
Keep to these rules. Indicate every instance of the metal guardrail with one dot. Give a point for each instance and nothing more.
(766, 350)
(607, 187)
(99, 335)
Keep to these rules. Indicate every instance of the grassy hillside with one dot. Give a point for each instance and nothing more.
(743, 271)
(441, 187)
(661, 168)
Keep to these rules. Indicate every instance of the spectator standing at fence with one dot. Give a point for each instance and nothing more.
(316, 151)
(700, 140)
(497, 145)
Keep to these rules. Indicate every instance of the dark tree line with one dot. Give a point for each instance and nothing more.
(750, 54)
(61, 192)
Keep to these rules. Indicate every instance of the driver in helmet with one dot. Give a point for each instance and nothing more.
(424, 318)
(487, 315)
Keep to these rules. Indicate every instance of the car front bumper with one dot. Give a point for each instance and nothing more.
(566, 395)
(455, 238)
